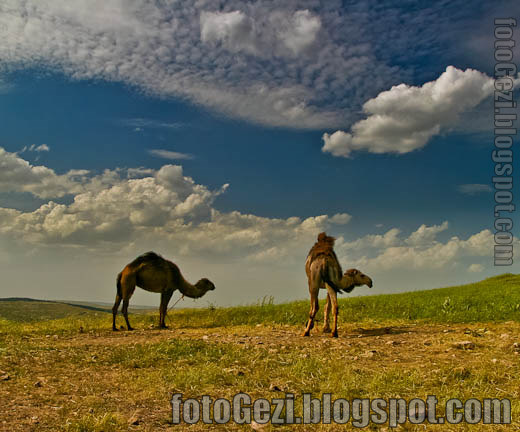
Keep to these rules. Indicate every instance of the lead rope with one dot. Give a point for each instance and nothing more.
(180, 298)
(170, 308)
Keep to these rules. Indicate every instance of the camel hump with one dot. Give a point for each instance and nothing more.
(324, 246)
(146, 258)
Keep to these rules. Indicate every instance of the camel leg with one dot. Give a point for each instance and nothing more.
(334, 303)
(127, 289)
(114, 312)
(165, 299)
(314, 289)
(125, 313)
(326, 326)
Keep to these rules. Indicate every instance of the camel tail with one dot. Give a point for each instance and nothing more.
(118, 284)
(326, 277)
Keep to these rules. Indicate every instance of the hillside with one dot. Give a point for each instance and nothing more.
(20, 309)
(493, 299)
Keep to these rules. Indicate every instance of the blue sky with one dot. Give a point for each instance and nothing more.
(123, 123)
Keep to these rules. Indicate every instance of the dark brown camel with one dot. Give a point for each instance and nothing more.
(153, 273)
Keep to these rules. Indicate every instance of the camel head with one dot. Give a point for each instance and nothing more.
(205, 285)
(358, 278)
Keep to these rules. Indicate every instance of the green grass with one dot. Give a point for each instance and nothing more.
(90, 423)
(492, 300)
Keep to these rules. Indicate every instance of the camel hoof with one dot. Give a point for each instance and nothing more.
(130, 328)
(115, 329)
(163, 327)
(334, 334)
(305, 334)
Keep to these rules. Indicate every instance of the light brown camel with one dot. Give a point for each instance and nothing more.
(153, 273)
(324, 271)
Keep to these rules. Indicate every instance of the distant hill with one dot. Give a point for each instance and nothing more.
(105, 305)
(24, 309)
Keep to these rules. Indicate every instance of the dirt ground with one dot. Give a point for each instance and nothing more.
(54, 382)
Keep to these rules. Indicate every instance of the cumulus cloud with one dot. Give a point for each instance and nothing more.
(124, 207)
(405, 117)
(167, 154)
(421, 250)
(116, 212)
(18, 175)
(474, 188)
(122, 212)
(341, 218)
(390, 238)
(425, 234)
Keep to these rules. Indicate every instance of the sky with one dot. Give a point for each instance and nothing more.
(225, 135)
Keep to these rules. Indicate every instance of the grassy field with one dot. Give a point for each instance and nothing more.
(74, 374)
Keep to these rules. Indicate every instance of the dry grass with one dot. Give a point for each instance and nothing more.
(99, 380)
(74, 374)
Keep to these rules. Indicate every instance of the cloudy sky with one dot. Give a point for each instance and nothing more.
(225, 135)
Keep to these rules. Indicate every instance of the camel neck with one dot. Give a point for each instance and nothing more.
(190, 290)
(348, 284)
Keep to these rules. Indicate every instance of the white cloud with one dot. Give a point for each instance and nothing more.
(421, 250)
(341, 218)
(253, 61)
(425, 234)
(113, 210)
(233, 29)
(42, 147)
(123, 212)
(139, 124)
(167, 154)
(390, 238)
(474, 189)
(405, 117)
(18, 175)
(281, 33)
(475, 268)
(35, 148)
(116, 212)
(139, 172)
(300, 32)
(436, 256)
